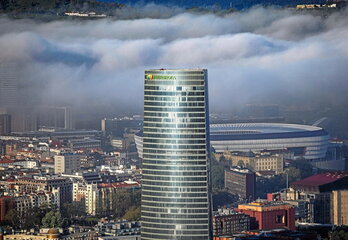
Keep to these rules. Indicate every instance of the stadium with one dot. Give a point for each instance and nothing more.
(308, 142)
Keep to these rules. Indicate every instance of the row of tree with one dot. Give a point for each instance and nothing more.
(34, 218)
(54, 5)
(127, 206)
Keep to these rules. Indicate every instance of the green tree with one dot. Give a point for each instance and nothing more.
(217, 175)
(269, 185)
(304, 167)
(133, 214)
(294, 174)
(52, 219)
(74, 209)
(32, 217)
(121, 202)
(338, 235)
(136, 198)
(12, 217)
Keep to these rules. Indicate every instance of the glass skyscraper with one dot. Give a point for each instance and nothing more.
(175, 183)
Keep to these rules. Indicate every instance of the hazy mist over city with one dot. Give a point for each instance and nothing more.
(263, 55)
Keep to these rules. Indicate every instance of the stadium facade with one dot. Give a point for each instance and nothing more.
(175, 147)
(308, 142)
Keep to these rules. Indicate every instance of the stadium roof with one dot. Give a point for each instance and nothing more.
(246, 131)
(262, 128)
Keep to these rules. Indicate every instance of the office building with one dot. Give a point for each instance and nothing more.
(318, 191)
(66, 163)
(8, 84)
(37, 184)
(118, 126)
(118, 143)
(261, 161)
(339, 207)
(84, 144)
(335, 157)
(227, 222)
(241, 182)
(320, 198)
(175, 181)
(56, 117)
(5, 124)
(23, 119)
(269, 215)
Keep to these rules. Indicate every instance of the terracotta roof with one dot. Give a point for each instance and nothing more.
(321, 179)
(116, 185)
(6, 161)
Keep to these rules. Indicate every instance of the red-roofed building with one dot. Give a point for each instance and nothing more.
(119, 185)
(323, 182)
(312, 196)
(6, 163)
(269, 215)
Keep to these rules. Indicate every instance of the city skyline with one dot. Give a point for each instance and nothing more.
(109, 130)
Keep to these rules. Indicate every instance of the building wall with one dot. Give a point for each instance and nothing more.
(64, 186)
(322, 208)
(230, 224)
(5, 124)
(8, 84)
(59, 164)
(270, 217)
(339, 207)
(23, 119)
(91, 199)
(258, 162)
(66, 164)
(116, 127)
(175, 189)
(56, 117)
(241, 184)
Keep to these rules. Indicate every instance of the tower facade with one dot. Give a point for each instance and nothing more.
(8, 84)
(175, 181)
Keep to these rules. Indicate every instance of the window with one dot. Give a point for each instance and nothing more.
(280, 219)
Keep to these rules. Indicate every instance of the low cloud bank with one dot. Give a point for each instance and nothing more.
(262, 55)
